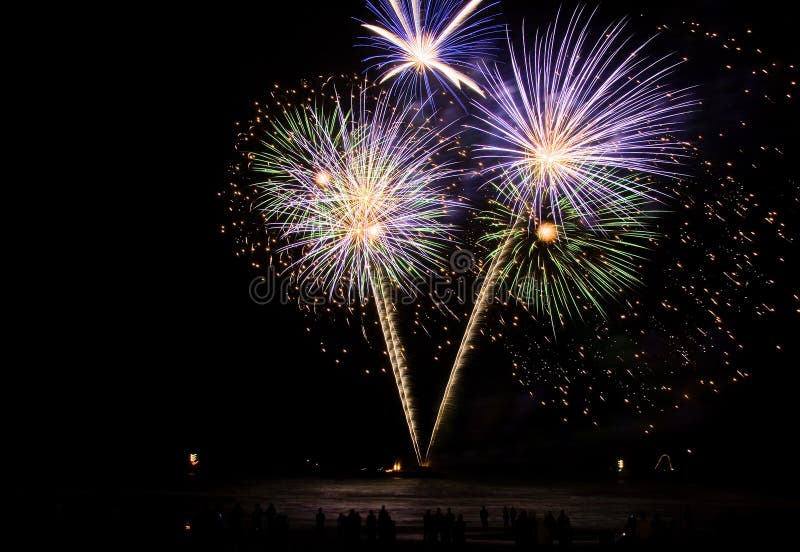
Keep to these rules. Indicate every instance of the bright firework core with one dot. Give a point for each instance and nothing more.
(582, 114)
(322, 179)
(342, 186)
(547, 232)
(370, 231)
(423, 54)
(354, 191)
(363, 218)
(374, 231)
(549, 158)
(439, 39)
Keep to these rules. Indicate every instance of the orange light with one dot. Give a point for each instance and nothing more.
(193, 461)
(322, 179)
(374, 231)
(547, 232)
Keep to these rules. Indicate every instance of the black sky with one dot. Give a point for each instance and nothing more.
(143, 343)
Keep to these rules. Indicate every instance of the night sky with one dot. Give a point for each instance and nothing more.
(167, 353)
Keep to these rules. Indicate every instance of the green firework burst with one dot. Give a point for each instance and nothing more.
(558, 270)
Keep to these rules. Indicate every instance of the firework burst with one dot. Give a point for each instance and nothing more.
(581, 113)
(575, 135)
(555, 270)
(558, 270)
(437, 38)
(352, 190)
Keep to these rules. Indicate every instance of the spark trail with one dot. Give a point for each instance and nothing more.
(583, 126)
(356, 192)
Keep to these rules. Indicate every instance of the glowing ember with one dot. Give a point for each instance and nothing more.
(322, 179)
(547, 232)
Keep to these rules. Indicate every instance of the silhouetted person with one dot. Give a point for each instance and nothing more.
(385, 525)
(357, 526)
(533, 528)
(449, 522)
(551, 527)
(341, 527)
(371, 526)
(460, 530)
(542, 532)
(320, 524)
(564, 530)
(513, 517)
(521, 538)
(257, 519)
(438, 525)
(506, 519)
(562, 527)
(484, 518)
(383, 515)
(427, 527)
(270, 516)
(353, 526)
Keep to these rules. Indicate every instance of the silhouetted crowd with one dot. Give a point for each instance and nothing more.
(531, 531)
(378, 529)
(443, 528)
(267, 529)
(188, 522)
